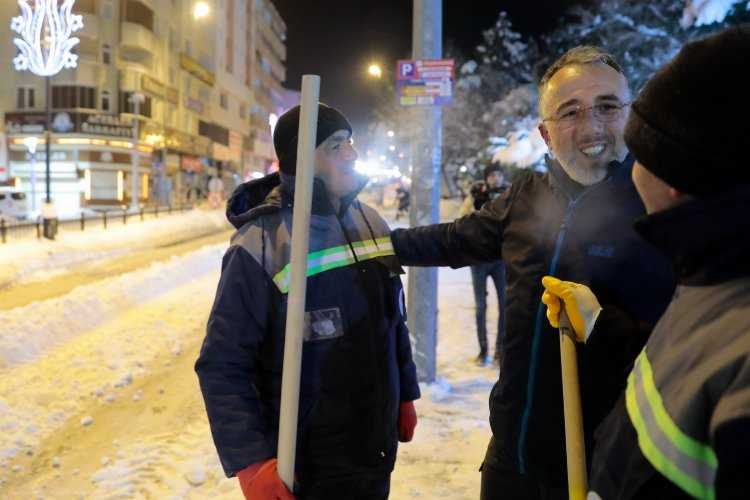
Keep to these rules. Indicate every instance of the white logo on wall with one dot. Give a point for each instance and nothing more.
(62, 123)
(106, 157)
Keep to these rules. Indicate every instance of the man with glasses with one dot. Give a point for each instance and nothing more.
(573, 222)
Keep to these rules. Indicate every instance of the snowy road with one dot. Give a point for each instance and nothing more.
(98, 398)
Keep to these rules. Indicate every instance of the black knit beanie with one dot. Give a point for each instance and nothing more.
(285, 134)
(688, 125)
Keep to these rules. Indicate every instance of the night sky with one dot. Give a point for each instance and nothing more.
(338, 38)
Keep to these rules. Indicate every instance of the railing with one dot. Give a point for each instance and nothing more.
(105, 219)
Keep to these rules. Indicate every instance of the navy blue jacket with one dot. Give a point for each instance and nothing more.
(548, 224)
(356, 364)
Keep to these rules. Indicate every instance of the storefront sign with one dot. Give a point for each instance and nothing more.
(194, 104)
(70, 123)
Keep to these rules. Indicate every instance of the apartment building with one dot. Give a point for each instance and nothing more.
(195, 67)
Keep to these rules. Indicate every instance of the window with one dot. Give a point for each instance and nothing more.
(126, 106)
(106, 54)
(243, 111)
(85, 6)
(138, 13)
(223, 101)
(70, 97)
(106, 97)
(103, 185)
(25, 98)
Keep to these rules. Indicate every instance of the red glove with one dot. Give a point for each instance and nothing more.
(407, 421)
(260, 481)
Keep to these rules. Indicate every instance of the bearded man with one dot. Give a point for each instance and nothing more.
(574, 222)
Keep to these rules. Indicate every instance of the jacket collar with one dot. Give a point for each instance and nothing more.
(706, 239)
(321, 203)
(572, 189)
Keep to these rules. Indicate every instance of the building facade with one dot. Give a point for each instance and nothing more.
(199, 116)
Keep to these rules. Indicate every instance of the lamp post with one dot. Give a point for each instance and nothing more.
(44, 44)
(136, 99)
(31, 142)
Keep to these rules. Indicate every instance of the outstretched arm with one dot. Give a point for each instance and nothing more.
(472, 239)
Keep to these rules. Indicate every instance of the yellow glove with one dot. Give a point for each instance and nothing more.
(580, 302)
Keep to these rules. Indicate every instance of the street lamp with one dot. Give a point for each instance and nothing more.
(201, 10)
(375, 70)
(45, 43)
(136, 98)
(31, 142)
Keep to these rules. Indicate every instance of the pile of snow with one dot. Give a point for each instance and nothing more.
(31, 259)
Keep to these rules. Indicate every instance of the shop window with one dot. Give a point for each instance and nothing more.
(71, 97)
(103, 185)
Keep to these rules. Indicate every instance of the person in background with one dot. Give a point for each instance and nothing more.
(481, 192)
(358, 380)
(681, 428)
(402, 197)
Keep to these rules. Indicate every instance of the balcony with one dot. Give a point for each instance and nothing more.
(136, 42)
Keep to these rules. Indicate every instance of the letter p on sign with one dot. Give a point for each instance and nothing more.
(407, 69)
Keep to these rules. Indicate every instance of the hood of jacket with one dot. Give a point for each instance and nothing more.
(706, 239)
(268, 194)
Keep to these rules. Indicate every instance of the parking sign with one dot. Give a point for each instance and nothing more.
(425, 82)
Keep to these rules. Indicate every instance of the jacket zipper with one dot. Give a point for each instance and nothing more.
(536, 340)
(378, 367)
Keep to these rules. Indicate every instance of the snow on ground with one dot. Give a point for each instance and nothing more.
(30, 259)
(98, 398)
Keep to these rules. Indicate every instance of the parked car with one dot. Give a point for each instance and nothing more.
(13, 204)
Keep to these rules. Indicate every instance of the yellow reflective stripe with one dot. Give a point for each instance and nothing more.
(335, 257)
(688, 463)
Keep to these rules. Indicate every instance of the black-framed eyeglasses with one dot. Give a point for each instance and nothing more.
(604, 112)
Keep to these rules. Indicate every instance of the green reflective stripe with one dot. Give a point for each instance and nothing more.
(335, 257)
(688, 463)
(689, 446)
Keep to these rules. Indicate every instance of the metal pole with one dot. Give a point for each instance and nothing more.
(49, 214)
(33, 181)
(135, 157)
(427, 40)
(295, 315)
(47, 137)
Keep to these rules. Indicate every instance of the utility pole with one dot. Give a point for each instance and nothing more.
(427, 43)
(136, 98)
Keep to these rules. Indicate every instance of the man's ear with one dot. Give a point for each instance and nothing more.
(675, 194)
(545, 134)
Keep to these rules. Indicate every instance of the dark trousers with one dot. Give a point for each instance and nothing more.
(479, 275)
(502, 481)
(349, 488)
